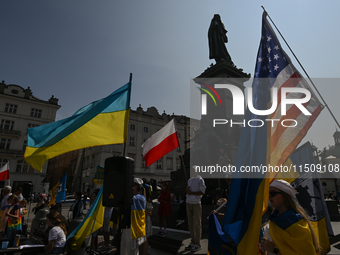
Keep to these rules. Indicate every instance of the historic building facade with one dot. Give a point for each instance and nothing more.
(19, 110)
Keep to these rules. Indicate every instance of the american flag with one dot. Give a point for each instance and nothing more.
(274, 69)
(271, 144)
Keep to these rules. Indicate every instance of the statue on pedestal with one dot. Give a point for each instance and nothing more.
(217, 38)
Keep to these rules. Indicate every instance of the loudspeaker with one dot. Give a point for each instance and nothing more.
(118, 181)
(27, 190)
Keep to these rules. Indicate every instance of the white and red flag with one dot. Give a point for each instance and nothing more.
(4, 172)
(160, 143)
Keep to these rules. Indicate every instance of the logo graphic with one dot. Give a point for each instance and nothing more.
(59, 188)
(204, 96)
(289, 96)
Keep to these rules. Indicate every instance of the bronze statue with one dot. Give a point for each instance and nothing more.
(217, 38)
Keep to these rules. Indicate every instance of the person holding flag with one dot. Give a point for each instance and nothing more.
(290, 228)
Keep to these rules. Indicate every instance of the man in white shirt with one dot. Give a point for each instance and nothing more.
(195, 191)
(6, 191)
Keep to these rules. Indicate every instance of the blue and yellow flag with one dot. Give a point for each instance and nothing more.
(263, 142)
(95, 214)
(58, 192)
(310, 196)
(138, 217)
(100, 123)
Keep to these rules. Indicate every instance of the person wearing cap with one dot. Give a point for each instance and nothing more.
(195, 191)
(133, 222)
(289, 227)
(6, 192)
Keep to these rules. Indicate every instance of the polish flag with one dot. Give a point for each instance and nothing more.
(160, 143)
(4, 172)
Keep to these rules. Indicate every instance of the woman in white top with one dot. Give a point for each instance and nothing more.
(57, 234)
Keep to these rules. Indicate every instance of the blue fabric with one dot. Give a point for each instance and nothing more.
(218, 240)
(286, 219)
(61, 195)
(88, 215)
(138, 202)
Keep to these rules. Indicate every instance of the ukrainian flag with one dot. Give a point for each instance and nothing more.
(100, 123)
(264, 143)
(95, 214)
(138, 217)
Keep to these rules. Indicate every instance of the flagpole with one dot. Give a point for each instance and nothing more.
(302, 68)
(127, 128)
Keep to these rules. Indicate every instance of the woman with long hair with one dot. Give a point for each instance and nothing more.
(57, 234)
(289, 227)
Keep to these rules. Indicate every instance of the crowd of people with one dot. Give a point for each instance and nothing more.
(132, 225)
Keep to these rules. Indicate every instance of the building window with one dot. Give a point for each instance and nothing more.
(132, 126)
(178, 163)
(159, 164)
(11, 108)
(132, 141)
(7, 124)
(179, 135)
(92, 160)
(191, 133)
(30, 125)
(143, 162)
(178, 149)
(169, 163)
(36, 113)
(146, 129)
(3, 161)
(5, 143)
(23, 167)
(24, 145)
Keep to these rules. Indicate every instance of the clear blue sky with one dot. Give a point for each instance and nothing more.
(82, 50)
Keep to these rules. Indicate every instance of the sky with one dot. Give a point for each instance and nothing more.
(82, 50)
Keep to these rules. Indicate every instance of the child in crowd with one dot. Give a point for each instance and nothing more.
(23, 209)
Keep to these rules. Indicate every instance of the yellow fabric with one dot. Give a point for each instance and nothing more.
(103, 129)
(137, 223)
(319, 227)
(53, 194)
(295, 240)
(320, 230)
(85, 230)
(248, 242)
